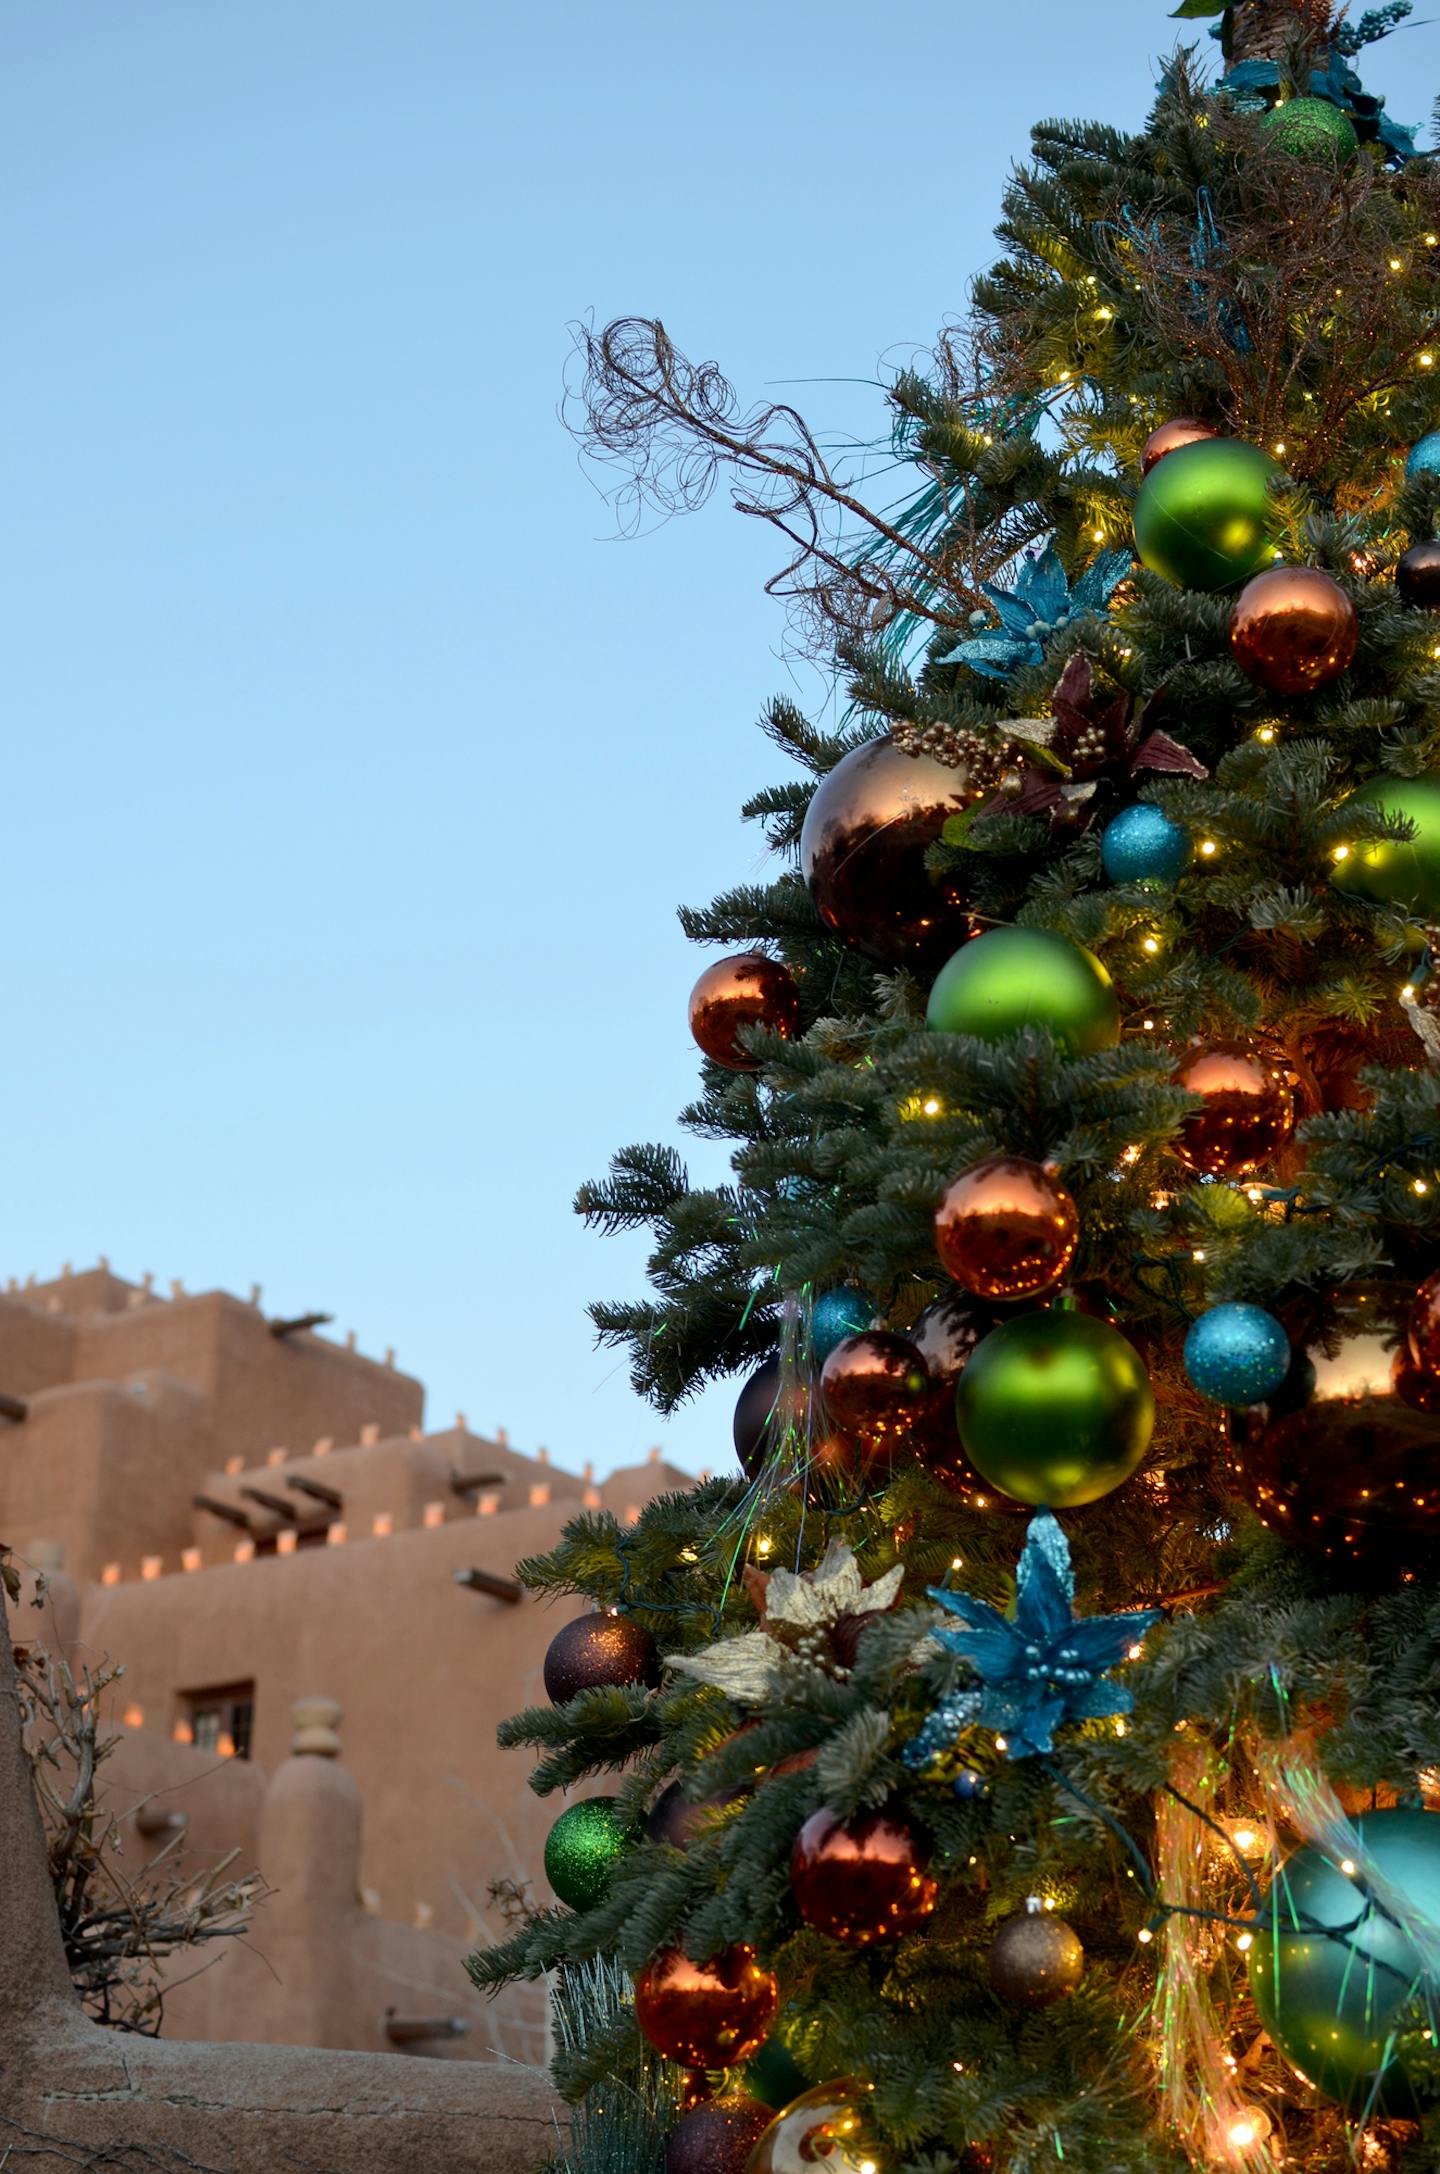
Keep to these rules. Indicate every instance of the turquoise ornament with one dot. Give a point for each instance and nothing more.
(1424, 457)
(1140, 845)
(836, 1314)
(1333, 1974)
(1237, 1354)
(1389, 871)
(1026, 977)
(1055, 1409)
(582, 1849)
(1203, 515)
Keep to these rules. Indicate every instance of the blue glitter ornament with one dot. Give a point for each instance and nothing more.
(1424, 459)
(1140, 845)
(836, 1314)
(1237, 1354)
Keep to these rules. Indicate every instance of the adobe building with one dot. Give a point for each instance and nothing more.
(312, 1596)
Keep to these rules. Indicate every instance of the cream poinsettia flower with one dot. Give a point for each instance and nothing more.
(802, 1612)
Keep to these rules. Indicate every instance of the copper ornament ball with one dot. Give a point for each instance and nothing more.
(1181, 430)
(863, 846)
(718, 2136)
(1293, 629)
(1005, 1229)
(748, 990)
(1036, 1959)
(1422, 1328)
(1248, 1114)
(706, 2015)
(1417, 577)
(863, 1879)
(596, 1652)
(876, 1386)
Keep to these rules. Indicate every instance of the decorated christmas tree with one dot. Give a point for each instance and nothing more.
(1028, 1759)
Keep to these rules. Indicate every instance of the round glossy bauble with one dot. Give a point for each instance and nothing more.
(764, 1411)
(1180, 430)
(970, 1785)
(598, 1652)
(840, 1312)
(678, 1819)
(1203, 515)
(773, 2075)
(828, 2127)
(706, 2015)
(1035, 1960)
(1236, 1354)
(863, 846)
(1248, 1112)
(1332, 1974)
(862, 1879)
(1423, 458)
(583, 1847)
(1390, 872)
(1343, 1459)
(1313, 129)
(1006, 1230)
(1141, 845)
(876, 1385)
(1422, 1328)
(718, 2136)
(1055, 1409)
(1417, 577)
(947, 1332)
(1026, 977)
(748, 990)
(1293, 630)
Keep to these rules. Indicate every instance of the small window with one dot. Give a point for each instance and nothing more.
(222, 1720)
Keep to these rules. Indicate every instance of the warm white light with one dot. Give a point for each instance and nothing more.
(1208, 846)
(1000, 1744)
(1245, 1942)
(1198, 1254)
(1419, 1186)
(1151, 944)
(1135, 1652)
(1266, 733)
(1144, 1936)
(1341, 853)
(931, 1106)
(1347, 1866)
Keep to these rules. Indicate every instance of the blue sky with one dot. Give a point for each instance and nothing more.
(352, 772)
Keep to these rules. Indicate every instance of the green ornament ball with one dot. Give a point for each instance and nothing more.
(582, 1849)
(1055, 1409)
(773, 2075)
(1333, 1975)
(1203, 515)
(1313, 129)
(1026, 977)
(1386, 871)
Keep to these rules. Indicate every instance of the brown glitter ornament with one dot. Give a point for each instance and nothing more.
(862, 1879)
(1035, 1959)
(1182, 430)
(863, 846)
(747, 990)
(1005, 1229)
(1417, 577)
(597, 1651)
(1248, 1114)
(718, 2137)
(706, 2015)
(876, 1387)
(1344, 1458)
(1293, 629)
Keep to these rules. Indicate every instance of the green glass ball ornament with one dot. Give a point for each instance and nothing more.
(1386, 871)
(773, 2075)
(1027, 977)
(1055, 1409)
(1333, 1975)
(582, 1849)
(1313, 129)
(1203, 515)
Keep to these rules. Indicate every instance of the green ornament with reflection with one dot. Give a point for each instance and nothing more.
(1333, 1976)
(1026, 977)
(1312, 129)
(1390, 872)
(582, 1849)
(1203, 516)
(1055, 1408)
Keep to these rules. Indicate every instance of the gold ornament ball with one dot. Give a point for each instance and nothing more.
(748, 990)
(1248, 1113)
(706, 2015)
(1293, 630)
(1180, 430)
(1005, 1229)
(1035, 1960)
(828, 2128)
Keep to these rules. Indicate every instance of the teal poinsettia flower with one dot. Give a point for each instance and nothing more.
(1048, 1665)
(1041, 602)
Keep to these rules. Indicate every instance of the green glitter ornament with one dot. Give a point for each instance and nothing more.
(1385, 870)
(1312, 129)
(1055, 1409)
(1203, 515)
(582, 1849)
(1022, 977)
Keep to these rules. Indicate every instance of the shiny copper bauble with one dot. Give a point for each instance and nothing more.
(1293, 629)
(706, 2015)
(597, 1652)
(1182, 430)
(1035, 1960)
(876, 1386)
(1344, 1458)
(718, 2137)
(945, 1335)
(862, 1879)
(747, 990)
(1005, 1229)
(1249, 1110)
(1422, 1328)
(1417, 577)
(863, 847)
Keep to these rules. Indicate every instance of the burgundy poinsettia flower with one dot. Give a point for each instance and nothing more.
(1087, 738)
